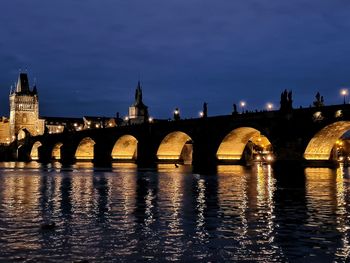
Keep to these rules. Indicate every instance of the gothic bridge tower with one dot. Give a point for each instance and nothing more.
(24, 109)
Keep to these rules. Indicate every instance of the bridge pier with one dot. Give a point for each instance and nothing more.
(204, 156)
(102, 155)
(67, 154)
(44, 154)
(146, 153)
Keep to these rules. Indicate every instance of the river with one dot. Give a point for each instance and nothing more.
(126, 214)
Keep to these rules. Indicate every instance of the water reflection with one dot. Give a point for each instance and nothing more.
(171, 214)
(246, 200)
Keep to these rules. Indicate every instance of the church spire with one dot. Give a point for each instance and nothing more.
(22, 83)
(138, 94)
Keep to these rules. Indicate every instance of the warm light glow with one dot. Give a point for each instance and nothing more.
(85, 149)
(34, 154)
(242, 103)
(150, 119)
(344, 92)
(97, 125)
(176, 112)
(172, 146)
(269, 106)
(56, 151)
(320, 146)
(125, 148)
(338, 113)
(75, 124)
(232, 146)
(201, 114)
(126, 118)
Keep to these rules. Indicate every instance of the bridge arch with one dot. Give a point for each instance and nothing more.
(34, 153)
(176, 146)
(21, 134)
(56, 151)
(321, 145)
(125, 148)
(234, 143)
(85, 149)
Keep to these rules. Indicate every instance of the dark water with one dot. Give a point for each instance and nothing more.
(170, 214)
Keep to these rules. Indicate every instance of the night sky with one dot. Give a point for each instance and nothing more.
(88, 55)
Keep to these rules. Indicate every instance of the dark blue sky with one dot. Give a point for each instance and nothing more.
(87, 55)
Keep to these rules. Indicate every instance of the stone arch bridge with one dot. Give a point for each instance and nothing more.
(308, 135)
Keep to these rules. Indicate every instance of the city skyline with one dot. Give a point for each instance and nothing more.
(87, 60)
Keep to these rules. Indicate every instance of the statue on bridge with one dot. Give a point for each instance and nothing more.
(286, 101)
(205, 110)
(319, 102)
(234, 112)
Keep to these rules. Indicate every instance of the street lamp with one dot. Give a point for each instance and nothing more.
(176, 114)
(242, 104)
(201, 114)
(269, 106)
(344, 93)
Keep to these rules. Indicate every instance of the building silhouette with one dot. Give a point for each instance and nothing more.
(138, 111)
(25, 117)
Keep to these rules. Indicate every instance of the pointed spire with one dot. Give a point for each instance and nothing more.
(22, 83)
(138, 94)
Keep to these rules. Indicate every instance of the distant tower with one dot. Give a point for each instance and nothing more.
(138, 112)
(24, 108)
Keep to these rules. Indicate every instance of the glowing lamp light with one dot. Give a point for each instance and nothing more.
(344, 93)
(126, 118)
(269, 158)
(75, 124)
(176, 112)
(242, 103)
(97, 125)
(269, 106)
(201, 114)
(150, 119)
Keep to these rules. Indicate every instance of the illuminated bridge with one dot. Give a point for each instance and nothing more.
(308, 135)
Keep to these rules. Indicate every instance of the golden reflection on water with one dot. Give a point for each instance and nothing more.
(83, 165)
(165, 211)
(327, 186)
(247, 194)
(20, 205)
